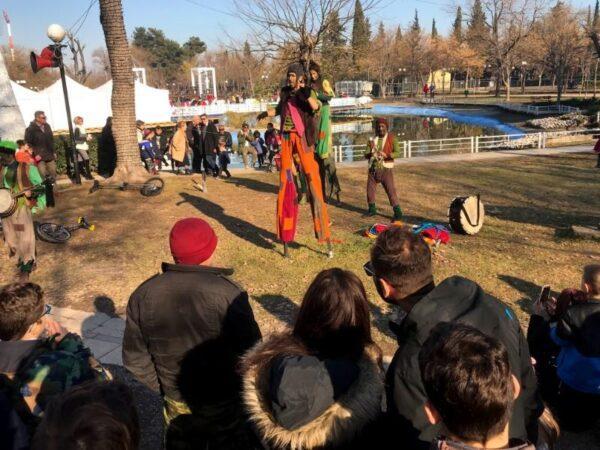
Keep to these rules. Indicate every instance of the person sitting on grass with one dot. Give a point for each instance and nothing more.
(39, 360)
(402, 271)
(89, 417)
(564, 339)
(470, 389)
(319, 384)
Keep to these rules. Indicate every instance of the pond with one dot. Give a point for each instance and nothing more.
(423, 123)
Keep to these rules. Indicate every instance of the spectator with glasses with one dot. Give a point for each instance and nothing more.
(40, 138)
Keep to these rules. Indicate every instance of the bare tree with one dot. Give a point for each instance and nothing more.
(123, 92)
(79, 71)
(293, 29)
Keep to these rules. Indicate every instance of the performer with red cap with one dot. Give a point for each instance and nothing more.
(381, 150)
(186, 329)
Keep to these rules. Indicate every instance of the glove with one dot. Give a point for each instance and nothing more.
(262, 115)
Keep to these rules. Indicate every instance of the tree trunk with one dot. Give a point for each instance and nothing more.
(128, 167)
(595, 77)
(507, 83)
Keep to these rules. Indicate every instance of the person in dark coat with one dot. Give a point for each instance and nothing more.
(193, 136)
(401, 268)
(40, 138)
(319, 384)
(107, 151)
(186, 329)
(160, 146)
(209, 146)
(564, 339)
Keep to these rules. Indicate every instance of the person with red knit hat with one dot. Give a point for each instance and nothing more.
(186, 329)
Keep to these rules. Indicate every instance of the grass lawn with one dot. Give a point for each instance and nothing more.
(521, 247)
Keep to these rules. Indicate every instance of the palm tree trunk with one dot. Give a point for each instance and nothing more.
(123, 93)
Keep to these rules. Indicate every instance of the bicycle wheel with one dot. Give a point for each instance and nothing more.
(153, 186)
(52, 233)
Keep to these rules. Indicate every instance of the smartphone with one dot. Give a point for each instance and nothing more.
(544, 294)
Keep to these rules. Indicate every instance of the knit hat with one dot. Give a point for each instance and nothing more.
(192, 241)
(381, 120)
(8, 147)
(296, 68)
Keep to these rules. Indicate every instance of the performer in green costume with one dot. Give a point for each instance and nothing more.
(323, 149)
(18, 229)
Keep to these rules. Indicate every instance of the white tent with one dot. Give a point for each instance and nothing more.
(11, 122)
(151, 105)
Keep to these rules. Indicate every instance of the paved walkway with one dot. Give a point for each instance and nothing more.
(104, 334)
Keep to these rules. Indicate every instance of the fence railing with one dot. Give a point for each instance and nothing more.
(454, 146)
(538, 110)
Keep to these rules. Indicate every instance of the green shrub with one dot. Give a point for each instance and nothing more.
(60, 145)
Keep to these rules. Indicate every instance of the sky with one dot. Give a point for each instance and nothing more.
(181, 19)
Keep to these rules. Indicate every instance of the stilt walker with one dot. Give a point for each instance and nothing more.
(298, 131)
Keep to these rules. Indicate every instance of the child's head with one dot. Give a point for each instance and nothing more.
(158, 130)
(256, 134)
(23, 146)
(590, 282)
(468, 382)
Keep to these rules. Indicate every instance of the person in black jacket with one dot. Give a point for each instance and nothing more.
(564, 339)
(318, 385)
(185, 330)
(107, 150)
(401, 268)
(160, 146)
(40, 138)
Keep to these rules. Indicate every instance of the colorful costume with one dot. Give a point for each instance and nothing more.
(19, 233)
(323, 150)
(298, 132)
(381, 163)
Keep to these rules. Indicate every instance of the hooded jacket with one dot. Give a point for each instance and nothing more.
(296, 400)
(456, 299)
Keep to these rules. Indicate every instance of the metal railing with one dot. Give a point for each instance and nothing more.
(538, 110)
(455, 146)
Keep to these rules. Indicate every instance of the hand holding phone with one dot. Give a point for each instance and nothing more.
(545, 306)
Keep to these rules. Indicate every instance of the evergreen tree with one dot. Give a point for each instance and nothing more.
(457, 27)
(434, 31)
(478, 29)
(398, 37)
(596, 14)
(415, 25)
(333, 50)
(588, 19)
(361, 33)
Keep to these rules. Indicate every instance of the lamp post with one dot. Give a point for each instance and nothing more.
(56, 33)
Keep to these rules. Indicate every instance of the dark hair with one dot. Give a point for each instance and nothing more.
(91, 416)
(21, 305)
(467, 378)
(333, 320)
(21, 143)
(591, 276)
(38, 114)
(403, 259)
(256, 133)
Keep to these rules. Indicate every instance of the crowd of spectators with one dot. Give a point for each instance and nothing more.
(464, 375)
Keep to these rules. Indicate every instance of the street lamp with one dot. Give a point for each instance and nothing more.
(57, 33)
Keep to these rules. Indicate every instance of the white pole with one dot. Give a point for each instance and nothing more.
(214, 80)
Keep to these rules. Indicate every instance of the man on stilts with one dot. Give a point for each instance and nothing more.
(298, 131)
(380, 154)
(18, 229)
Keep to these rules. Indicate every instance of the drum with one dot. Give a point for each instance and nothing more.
(466, 215)
(8, 204)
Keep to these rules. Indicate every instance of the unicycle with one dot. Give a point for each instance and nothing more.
(55, 233)
(150, 188)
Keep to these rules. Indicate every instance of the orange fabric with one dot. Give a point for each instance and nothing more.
(293, 145)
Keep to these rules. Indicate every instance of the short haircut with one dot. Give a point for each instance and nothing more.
(467, 378)
(203, 115)
(92, 416)
(21, 305)
(21, 143)
(403, 259)
(256, 133)
(591, 276)
(38, 114)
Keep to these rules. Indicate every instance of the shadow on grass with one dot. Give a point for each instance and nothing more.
(279, 306)
(541, 216)
(527, 288)
(255, 185)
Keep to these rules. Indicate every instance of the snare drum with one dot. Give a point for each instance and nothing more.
(8, 204)
(466, 215)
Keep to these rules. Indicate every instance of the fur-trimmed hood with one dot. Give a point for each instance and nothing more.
(345, 418)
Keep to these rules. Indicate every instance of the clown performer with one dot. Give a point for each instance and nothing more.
(19, 234)
(380, 154)
(298, 132)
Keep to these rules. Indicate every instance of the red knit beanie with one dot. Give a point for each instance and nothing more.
(192, 241)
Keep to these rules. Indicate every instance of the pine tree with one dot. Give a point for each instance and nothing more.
(478, 29)
(415, 25)
(596, 14)
(333, 50)
(398, 36)
(457, 27)
(361, 33)
(434, 31)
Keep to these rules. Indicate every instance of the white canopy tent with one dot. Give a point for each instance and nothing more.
(151, 105)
